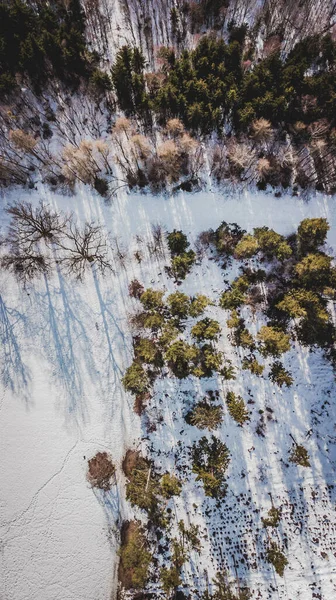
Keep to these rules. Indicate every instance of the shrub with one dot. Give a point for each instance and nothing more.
(272, 244)
(312, 234)
(170, 486)
(243, 338)
(198, 305)
(170, 579)
(168, 334)
(235, 320)
(251, 364)
(228, 372)
(181, 358)
(211, 359)
(303, 303)
(181, 265)
(177, 242)
(273, 342)
(227, 236)
(142, 485)
(136, 289)
(152, 299)
(276, 558)
(153, 321)
(299, 455)
(206, 329)
(146, 351)
(232, 299)
(279, 375)
(314, 271)
(101, 470)
(205, 415)
(211, 459)
(273, 518)
(247, 247)
(135, 558)
(236, 407)
(179, 305)
(135, 379)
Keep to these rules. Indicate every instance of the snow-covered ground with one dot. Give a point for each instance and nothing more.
(64, 348)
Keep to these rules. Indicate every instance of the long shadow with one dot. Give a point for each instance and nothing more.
(110, 502)
(14, 372)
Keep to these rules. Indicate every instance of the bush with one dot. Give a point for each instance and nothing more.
(236, 407)
(177, 242)
(169, 333)
(247, 247)
(135, 558)
(101, 470)
(152, 299)
(279, 375)
(211, 459)
(314, 271)
(179, 305)
(228, 372)
(206, 329)
(153, 321)
(303, 303)
(276, 558)
(181, 265)
(232, 299)
(170, 579)
(205, 415)
(272, 244)
(198, 305)
(142, 486)
(211, 360)
(312, 234)
(251, 364)
(170, 486)
(135, 379)
(299, 455)
(243, 338)
(227, 236)
(273, 342)
(146, 351)
(181, 358)
(273, 518)
(136, 289)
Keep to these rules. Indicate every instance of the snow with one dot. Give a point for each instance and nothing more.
(65, 346)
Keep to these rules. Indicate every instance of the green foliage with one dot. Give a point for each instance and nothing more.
(198, 305)
(135, 379)
(279, 375)
(190, 535)
(128, 80)
(299, 455)
(43, 42)
(243, 338)
(247, 247)
(211, 360)
(181, 265)
(153, 320)
(232, 299)
(179, 305)
(210, 460)
(237, 408)
(135, 558)
(312, 234)
(169, 333)
(272, 244)
(235, 320)
(251, 364)
(142, 487)
(177, 242)
(152, 299)
(170, 486)
(223, 590)
(228, 372)
(146, 351)
(273, 342)
(181, 358)
(170, 579)
(303, 303)
(206, 329)
(205, 415)
(314, 271)
(227, 237)
(277, 558)
(273, 517)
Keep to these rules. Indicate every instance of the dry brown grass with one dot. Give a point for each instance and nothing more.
(101, 470)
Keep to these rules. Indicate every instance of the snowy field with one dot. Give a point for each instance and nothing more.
(64, 348)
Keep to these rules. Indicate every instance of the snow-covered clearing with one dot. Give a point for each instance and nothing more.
(64, 348)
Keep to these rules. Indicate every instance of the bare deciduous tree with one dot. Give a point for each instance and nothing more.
(29, 225)
(83, 248)
(25, 264)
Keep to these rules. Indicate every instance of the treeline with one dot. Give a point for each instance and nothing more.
(219, 83)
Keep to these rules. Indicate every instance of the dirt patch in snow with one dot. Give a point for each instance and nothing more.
(130, 461)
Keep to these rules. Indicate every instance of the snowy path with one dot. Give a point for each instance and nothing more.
(64, 349)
